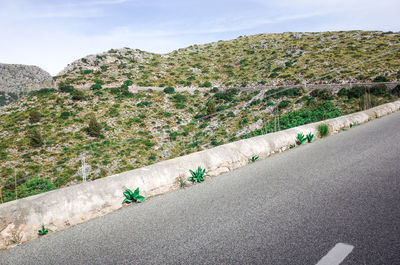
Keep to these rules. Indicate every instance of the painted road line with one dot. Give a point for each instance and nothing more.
(336, 255)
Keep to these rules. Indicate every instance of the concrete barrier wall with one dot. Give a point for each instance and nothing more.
(59, 209)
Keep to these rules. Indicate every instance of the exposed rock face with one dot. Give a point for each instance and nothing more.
(17, 80)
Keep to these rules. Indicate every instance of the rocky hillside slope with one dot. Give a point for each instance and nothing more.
(248, 61)
(17, 80)
(44, 135)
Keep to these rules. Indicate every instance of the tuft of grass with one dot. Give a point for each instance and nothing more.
(323, 130)
(182, 182)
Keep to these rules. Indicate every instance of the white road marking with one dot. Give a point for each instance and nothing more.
(336, 255)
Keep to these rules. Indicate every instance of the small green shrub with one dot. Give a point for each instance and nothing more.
(132, 196)
(283, 104)
(396, 91)
(169, 90)
(65, 87)
(211, 109)
(381, 79)
(33, 186)
(301, 138)
(206, 84)
(323, 130)
(342, 92)
(292, 146)
(96, 86)
(78, 94)
(42, 231)
(34, 116)
(197, 176)
(35, 138)
(65, 115)
(94, 128)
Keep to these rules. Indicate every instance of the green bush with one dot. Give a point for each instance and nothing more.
(323, 130)
(379, 90)
(283, 104)
(211, 108)
(179, 98)
(65, 115)
(396, 91)
(94, 128)
(342, 92)
(323, 94)
(381, 79)
(34, 186)
(34, 116)
(128, 82)
(78, 94)
(97, 85)
(227, 95)
(284, 92)
(206, 84)
(169, 90)
(356, 92)
(65, 87)
(35, 138)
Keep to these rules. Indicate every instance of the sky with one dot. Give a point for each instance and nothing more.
(54, 33)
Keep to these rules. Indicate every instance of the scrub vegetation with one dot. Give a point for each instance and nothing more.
(44, 135)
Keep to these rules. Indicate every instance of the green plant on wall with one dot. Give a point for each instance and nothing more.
(323, 130)
(310, 137)
(197, 176)
(254, 158)
(301, 138)
(132, 196)
(43, 231)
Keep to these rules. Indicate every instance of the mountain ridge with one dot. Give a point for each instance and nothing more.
(272, 59)
(18, 79)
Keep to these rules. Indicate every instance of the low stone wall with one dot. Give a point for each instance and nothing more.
(59, 209)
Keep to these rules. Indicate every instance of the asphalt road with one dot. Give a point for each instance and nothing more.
(292, 208)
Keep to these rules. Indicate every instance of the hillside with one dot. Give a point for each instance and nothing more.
(44, 136)
(248, 61)
(17, 80)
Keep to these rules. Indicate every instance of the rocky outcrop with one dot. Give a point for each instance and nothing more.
(17, 80)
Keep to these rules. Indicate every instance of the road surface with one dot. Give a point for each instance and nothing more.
(335, 201)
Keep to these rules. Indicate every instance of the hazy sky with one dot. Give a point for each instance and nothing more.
(53, 33)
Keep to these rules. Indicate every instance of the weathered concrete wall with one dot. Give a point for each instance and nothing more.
(20, 219)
